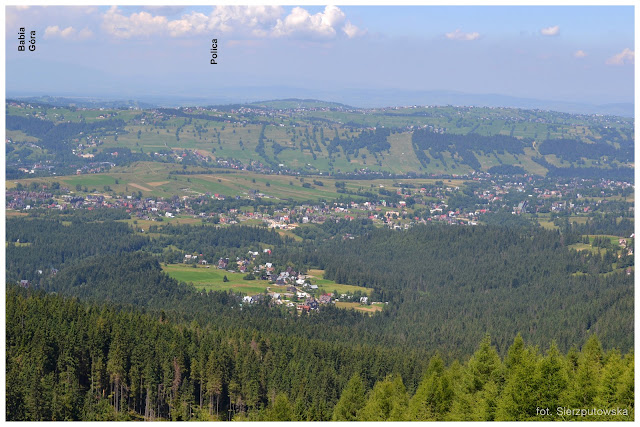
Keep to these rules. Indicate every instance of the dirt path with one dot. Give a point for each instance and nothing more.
(140, 187)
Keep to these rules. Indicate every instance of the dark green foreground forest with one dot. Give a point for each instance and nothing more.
(481, 323)
(68, 360)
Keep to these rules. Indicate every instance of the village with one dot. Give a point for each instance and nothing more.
(286, 288)
(396, 205)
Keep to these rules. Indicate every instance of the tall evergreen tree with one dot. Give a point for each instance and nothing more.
(586, 381)
(387, 401)
(281, 410)
(551, 382)
(518, 400)
(351, 400)
(434, 395)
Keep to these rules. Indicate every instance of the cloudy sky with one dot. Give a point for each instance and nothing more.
(571, 53)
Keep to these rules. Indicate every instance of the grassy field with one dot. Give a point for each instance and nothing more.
(328, 286)
(545, 221)
(614, 239)
(19, 136)
(18, 244)
(360, 307)
(177, 220)
(9, 214)
(153, 180)
(285, 233)
(585, 247)
(212, 279)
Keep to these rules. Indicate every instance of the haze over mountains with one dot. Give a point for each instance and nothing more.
(363, 98)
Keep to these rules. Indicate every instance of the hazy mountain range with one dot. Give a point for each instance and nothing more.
(353, 97)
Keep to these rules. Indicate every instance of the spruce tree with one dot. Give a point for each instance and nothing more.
(518, 400)
(551, 382)
(587, 377)
(433, 397)
(484, 370)
(281, 410)
(351, 400)
(387, 401)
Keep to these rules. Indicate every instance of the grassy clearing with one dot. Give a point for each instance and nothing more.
(578, 219)
(11, 213)
(19, 136)
(401, 157)
(549, 225)
(145, 224)
(212, 279)
(614, 239)
(360, 307)
(328, 286)
(287, 233)
(585, 247)
(618, 270)
(18, 244)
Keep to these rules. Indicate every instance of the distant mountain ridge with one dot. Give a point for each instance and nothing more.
(286, 97)
(298, 103)
(89, 102)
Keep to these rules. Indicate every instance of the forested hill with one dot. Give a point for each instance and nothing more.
(448, 284)
(304, 137)
(445, 286)
(67, 360)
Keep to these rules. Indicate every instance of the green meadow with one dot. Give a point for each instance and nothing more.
(328, 286)
(212, 279)
(154, 180)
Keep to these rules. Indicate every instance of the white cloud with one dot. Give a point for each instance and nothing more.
(141, 24)
(459, 35)
(352, 31)
(627, 56)
(579, 54)
(249, 20)
(68, 33)
(242, 21)
(550, 31)
(194, 23)
(301, 23)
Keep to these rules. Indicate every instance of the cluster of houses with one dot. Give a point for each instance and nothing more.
(526, 196)
(291, 288)
(292, 297)
(25, 199)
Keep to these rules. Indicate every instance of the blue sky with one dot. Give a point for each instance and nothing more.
(568, 53)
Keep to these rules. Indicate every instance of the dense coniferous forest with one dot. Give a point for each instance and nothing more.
(68, 360)
(522, 280)
(428, 140)
(102, 333)
(56, 137)
(464, 145)
(531, 282)
(572, 150)
(375, 141)
(621, 173)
